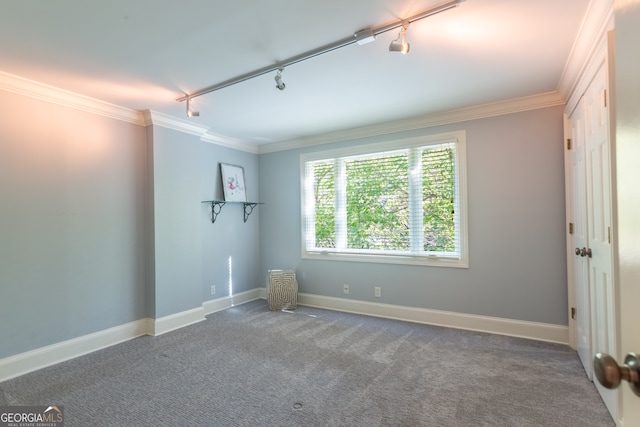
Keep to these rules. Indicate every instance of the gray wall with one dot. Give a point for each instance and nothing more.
(516, 227)
(191, 253)
(101, 224)
(72, 212)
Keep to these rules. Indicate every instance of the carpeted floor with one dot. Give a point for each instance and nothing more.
(247, 366)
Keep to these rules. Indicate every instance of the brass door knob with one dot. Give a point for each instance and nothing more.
(610, 374)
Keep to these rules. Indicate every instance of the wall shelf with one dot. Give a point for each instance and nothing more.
(216, 208)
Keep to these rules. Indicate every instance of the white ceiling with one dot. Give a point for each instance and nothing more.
(144, 54)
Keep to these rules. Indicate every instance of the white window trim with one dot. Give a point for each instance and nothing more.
(431, 260)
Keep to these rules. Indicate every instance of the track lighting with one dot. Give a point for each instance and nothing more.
(279, 83)
(361, 37)
(190, 111)
(400, 44)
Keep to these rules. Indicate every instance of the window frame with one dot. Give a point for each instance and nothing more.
(457, 137)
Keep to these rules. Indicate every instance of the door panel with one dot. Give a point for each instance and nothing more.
(598, 185)
(579, 240)
(627, 172)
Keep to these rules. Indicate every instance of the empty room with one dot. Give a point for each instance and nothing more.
(362, 213)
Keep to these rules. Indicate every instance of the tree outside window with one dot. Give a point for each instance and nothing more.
(404, 202)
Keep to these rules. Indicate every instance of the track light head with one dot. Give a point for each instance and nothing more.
(190, 111)
(278, 78)
(400, 44)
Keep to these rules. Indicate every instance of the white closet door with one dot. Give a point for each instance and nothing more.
(600, 255)
(579, 239)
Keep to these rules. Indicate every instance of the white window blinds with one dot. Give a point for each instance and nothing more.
(402, 203)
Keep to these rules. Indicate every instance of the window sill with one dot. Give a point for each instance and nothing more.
(430, 261)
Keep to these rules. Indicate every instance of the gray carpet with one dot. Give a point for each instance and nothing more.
(246, 366)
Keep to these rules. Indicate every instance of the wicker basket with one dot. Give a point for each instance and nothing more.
(282, 290)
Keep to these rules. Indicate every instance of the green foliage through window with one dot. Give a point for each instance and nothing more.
(400, 201)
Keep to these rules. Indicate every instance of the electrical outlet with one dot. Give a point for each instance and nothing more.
(377, 292)
(345, 289)
(213, 290)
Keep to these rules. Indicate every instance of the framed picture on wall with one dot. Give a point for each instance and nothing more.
(233, 183)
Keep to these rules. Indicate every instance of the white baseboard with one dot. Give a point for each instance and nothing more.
(176, 321)
(189, 317)
(493, 325)
(23, 363)
(20, 364)
(219, 304)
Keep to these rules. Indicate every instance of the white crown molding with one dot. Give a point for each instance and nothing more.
(54, 95)
(527, 103)
(235, 144)
(164, 120)
(43, 92)
(598, 20)
(493, 325)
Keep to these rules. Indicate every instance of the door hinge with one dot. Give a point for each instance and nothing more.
(573, 312)
(568, 143)
(609, 232)
(605, 98)
(570, 228)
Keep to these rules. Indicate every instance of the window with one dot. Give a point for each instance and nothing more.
(401, 201)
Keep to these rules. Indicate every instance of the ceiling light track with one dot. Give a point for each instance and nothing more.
(360, 37)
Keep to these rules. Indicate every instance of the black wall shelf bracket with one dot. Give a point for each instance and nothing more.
(216, 208)
(248, 209)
